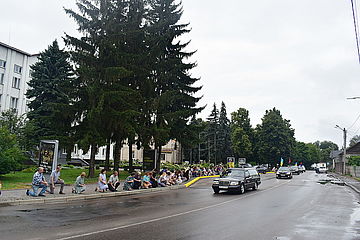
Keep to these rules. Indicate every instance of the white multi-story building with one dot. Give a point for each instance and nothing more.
(15, 73)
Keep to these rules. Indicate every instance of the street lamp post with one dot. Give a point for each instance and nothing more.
(344, 153)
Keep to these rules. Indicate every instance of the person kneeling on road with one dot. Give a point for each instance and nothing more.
(113, 182)
(79, 185)
(38, 182)
(55, 179)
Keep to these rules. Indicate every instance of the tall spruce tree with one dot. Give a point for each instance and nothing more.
(172, 102)
(212, 134)
(108, 100)
(52, 95)
(224, 141)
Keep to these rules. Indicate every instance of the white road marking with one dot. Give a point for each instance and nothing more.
(170, 216)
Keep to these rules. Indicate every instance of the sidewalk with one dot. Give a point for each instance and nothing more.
(349, 181)
(19, 197)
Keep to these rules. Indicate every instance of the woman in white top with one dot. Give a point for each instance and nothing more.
(102, 181)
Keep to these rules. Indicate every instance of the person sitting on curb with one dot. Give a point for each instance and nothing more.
(137, 181)
(79, 185)
(102, 182)
(113, 182)
(55, 179)
(153, 181)
(129, 182)
(146, 181)
(162, 179)
(38, 182)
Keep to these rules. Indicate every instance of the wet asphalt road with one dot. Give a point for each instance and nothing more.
(281, 209)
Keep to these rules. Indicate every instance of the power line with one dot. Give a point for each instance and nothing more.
(358, 117)
(354, 12)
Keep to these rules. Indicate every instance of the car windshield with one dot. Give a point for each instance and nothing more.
(233, 173)
(283, 169)
(294, 167)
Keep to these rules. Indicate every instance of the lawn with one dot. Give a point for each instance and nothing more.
(22, 179)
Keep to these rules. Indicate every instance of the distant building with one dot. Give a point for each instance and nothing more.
(15, 73)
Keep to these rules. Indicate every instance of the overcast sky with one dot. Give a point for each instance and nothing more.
(297, 56)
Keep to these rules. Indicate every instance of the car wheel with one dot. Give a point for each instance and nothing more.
(216, 191)
(290, 177)
(242, 189)
(256, 186)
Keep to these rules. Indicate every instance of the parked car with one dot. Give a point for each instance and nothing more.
(237, 180)
(262, 169)
(284, 172)
(295, 170)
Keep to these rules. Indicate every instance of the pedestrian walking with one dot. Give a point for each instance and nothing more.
(113, 182)
(55, 179)
(38, 182)
(102, 182)
(0, 188)
(79, 185)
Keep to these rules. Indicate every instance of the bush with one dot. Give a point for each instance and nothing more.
(11, 156)
(354, 160)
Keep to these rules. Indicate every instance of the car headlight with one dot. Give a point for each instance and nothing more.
(216, 182)
(234, 183)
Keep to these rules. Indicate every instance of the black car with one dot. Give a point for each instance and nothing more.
(284, 172)
(237, 180)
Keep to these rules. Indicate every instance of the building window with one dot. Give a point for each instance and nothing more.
(14, 103)
(162, 157)
(0, 101)
(2, 78)
(16, 83)
(2, 63)
(103, 151)
(17, 69)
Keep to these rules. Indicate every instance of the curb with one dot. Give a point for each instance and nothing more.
(338, 176)
(198, 178)
(86, 197)
(352, 187)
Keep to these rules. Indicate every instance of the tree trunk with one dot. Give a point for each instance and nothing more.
(130, 143)
(158, 159)
(68, 154)
(92, 161)
(117, 154)
(107, 156)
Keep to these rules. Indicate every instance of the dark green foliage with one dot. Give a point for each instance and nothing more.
(354, 160)
(224, 141)
(275, 138)
(11, 156)
(242, 135)
(52, 94)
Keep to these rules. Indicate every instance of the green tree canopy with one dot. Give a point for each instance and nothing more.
(275, 137)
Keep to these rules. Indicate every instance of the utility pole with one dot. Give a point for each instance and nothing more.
(344, 156)
(344, 152)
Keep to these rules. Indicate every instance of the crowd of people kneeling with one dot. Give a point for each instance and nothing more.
(135, 180)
